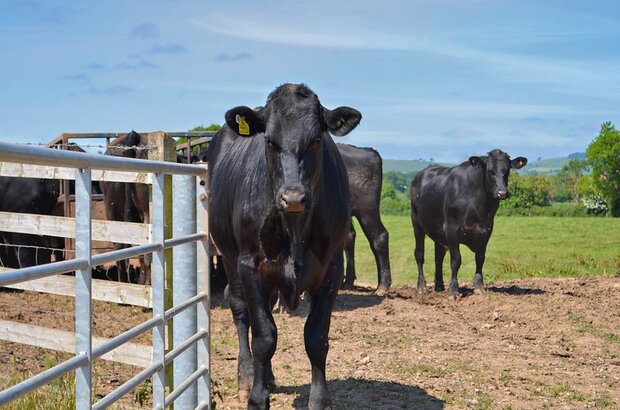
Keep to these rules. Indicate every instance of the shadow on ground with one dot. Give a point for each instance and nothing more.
(515, 290)
(367, 394)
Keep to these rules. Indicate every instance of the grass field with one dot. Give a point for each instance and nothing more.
(521, 247)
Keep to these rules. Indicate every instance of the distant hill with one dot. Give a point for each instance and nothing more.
(406, 165)
(544, 166)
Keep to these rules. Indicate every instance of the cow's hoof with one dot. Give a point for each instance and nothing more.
(422, 289)
(455, 296)
(327, 405)
(346, 286)
(440, 288)
(243, 396)
(478, 291)
(381, 291)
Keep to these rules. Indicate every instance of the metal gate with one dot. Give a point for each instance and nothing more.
(191, 298)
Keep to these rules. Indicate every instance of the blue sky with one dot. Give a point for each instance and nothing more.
(433, 79)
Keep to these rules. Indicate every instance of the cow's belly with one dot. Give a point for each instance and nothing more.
(474, 236)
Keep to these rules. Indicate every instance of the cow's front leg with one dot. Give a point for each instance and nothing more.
(316, 333)
(264, 334)
(478, 281)
(455, 264)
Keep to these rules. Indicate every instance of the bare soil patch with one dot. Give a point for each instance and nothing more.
(540, 343)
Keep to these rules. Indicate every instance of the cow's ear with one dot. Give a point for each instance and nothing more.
(477, 161)
(341, 120)
(245, 121)
(518, 162)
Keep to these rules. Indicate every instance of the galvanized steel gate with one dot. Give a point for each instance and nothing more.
(191, 298)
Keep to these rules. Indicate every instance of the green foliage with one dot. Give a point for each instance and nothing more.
(58, 394)
(393, 202)
(557, 209)
(212, 127)
(388, 191)
(400, 180)
(604, 157)
(565, 184)
(528, 191)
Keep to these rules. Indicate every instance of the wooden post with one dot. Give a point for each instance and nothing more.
(163, 148)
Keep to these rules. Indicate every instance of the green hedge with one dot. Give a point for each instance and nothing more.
(555, 209)
(400, 206)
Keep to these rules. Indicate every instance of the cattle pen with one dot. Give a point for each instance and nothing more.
(177, 189)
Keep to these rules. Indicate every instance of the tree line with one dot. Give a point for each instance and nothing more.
(589, 186)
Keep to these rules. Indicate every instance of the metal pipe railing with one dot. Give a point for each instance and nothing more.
(62, 158)
(126, 387)
(18, 390)
(193, 292)
(189, 381)
(124, 337)
(41, 271)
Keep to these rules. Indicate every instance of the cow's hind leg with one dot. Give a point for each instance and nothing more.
(349, 250)
(440, 253)
(264, 333)
(239, 309)
(316, 332)
(378, 238)
(419, 253)
(478, 281)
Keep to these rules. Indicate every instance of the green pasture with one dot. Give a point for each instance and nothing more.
(521, 247)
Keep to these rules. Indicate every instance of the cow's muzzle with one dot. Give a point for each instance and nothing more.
(502, 194)
(292, 201)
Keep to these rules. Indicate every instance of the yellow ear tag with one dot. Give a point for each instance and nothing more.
(244, 127)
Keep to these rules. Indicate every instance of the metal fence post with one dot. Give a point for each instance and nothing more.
(184, 277)
(158, 287)
(83, 288)
(203, 284)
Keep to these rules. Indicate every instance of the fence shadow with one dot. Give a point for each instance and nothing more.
(361, 394)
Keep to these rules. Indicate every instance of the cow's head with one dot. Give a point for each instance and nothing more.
(294, 125)
(496, 166)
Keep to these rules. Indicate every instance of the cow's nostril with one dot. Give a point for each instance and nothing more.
(293, 201)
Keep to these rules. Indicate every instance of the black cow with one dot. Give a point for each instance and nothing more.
(457, 205)
(32, 196)
(128, 202)
(365, 173)
(364, 169)
(280, 216)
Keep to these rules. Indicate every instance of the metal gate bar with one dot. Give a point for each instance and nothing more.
(193, 301)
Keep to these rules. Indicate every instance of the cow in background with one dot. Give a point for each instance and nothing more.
(128, 202)
(280, 215)
(365, 172)
(31, 196)
(458, 205)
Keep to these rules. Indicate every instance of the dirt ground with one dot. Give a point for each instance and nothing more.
(527, 344)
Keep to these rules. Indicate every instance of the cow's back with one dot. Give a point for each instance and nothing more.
(365, 175)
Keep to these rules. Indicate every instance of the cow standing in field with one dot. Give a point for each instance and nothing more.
(365, 172)
(458, 205)
(128, 202)
(279, 216)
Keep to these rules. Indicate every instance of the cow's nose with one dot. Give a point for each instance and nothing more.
(293, 201)
(502, 194)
